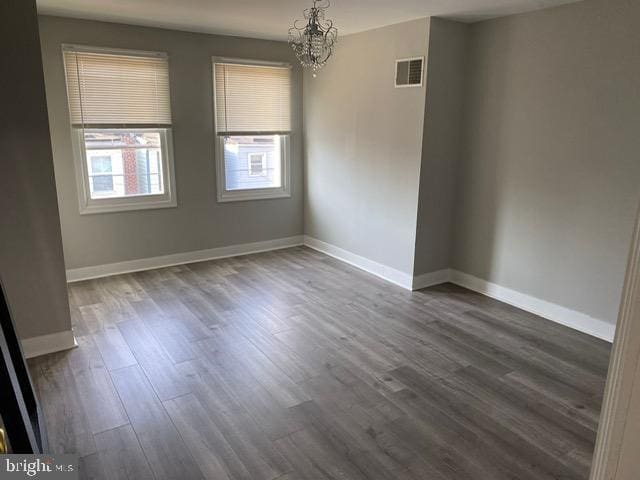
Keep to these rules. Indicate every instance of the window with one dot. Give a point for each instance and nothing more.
(101, 174)
(121, 128)
(122, 164)
(253, 124)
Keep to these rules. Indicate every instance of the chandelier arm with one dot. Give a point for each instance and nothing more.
(328, 25)
(328, 56)
(321, 4)
(295, 24)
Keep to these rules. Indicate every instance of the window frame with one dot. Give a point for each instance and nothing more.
(238, 195)
(88, 205)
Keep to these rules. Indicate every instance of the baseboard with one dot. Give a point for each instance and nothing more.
(43, 344)
(430, 279)
(385, 272)
(551, 311)
(554, 312)
(97, 271)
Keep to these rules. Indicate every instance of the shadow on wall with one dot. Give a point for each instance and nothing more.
(482, 185)
(548, 183)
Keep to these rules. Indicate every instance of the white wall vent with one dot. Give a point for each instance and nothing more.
(409, 72)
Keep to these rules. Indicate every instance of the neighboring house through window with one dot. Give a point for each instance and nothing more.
(257, 164)
(121, 125)
(101, 174)
(253, 124)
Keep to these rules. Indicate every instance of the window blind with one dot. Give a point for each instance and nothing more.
(117, 89)
(252, 99)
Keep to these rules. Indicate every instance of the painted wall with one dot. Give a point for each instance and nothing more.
(517, 163)
(550, 181)
(363, 142)
(31, 259)
(441, 145)
(199, 222)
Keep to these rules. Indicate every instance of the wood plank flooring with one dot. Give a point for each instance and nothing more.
(291, 365)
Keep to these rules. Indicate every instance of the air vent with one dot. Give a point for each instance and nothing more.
(409, 72)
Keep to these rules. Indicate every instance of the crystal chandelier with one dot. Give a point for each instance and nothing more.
(313, 43)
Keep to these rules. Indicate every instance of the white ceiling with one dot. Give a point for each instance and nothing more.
(272, 18)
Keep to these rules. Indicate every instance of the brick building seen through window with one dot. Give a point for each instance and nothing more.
(123, 164)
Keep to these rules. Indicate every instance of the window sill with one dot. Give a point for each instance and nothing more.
(245, 195)
(126, 205)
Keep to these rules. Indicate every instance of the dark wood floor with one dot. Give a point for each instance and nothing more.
(291, 365)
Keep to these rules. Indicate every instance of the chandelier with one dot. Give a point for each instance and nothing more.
(313, 42)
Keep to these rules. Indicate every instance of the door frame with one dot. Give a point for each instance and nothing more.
(19, 407)
(624, 373)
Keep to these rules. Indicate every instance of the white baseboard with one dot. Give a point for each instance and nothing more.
(554, 312)
(430, 279)
(97, 271)
(551, 311)
(385, 272)
(43, 344)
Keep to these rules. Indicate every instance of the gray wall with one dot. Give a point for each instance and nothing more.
(31, 260)
(363, 146)
(550, 182)
(528, 174)
(441, 145)
(199, 222)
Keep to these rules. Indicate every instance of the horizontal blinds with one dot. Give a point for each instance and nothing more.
(106, 89)
(253, 99)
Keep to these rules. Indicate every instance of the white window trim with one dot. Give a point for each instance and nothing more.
(284, 191)
(90, 205)
(224, 195)
(263, 162)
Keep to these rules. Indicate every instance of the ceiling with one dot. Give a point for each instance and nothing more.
(270, 19)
